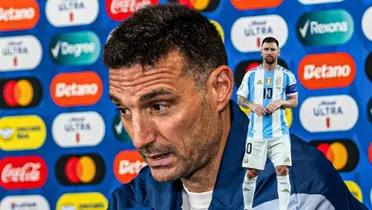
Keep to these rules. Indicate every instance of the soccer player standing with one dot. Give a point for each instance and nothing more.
(266, 91)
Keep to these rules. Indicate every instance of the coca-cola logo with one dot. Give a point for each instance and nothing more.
(23, 172)
(121, 9)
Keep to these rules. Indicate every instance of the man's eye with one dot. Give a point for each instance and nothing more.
(124, 112)
(159, 108)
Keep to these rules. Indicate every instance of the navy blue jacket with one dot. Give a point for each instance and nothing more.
(315, 183)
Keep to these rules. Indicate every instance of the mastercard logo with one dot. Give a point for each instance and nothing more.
(18, 15)
(19, 93)
(343, 153)
(127, 165)
(200, 5)
(255, 4)
(355, 190)
(80, 169)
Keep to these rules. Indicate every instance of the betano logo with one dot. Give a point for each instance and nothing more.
(23, 172)
(62, 13)
(76, 89)
(78, 129)
(247, 33)
(80, 169)
(343, 153)
(82, 201)
(119, 10)
(329, 113)
(24, 202)
(255, 4)
(370, 152)
(355, 190)
(75, 48)
(18, 15)
(20, 92)
(19, 53)
(328, 70)
(26, 132)
(318, 1)
(127, 165)
(330, 27)
(200, 5)
(366, 23)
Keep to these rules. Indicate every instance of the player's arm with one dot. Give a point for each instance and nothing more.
(256, 108)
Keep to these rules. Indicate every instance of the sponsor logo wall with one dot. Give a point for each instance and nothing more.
(62, 144)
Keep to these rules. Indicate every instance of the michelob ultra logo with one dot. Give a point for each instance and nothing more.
(343, 153)
(127, 165)
(19, 53)
(23, 172)
(355, 190)
(24, 202)
(75, 48)
(329, 113)
(200, 5)
(121, 9)
(22, 132)
(82, 201)
(330, 27)
(328, 70)
(18, 15)
(72, 12)
(247, 33)
(76, 89)
(255, 4)
(78, 129)
(20, 92)
(80, 169)
(366, 23)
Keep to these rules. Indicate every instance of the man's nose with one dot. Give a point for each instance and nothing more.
(143, 133)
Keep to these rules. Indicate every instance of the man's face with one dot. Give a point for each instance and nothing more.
(270, 52)
(169, 120)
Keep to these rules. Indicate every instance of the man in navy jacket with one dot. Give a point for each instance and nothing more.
(169, 78)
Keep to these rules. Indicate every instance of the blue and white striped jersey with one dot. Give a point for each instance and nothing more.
(261, 86)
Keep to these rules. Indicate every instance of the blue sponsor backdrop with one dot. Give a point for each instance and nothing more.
(358, 46)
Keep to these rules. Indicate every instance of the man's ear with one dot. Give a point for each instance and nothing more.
(220, 84)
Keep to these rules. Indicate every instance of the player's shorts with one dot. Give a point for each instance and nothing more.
(278, 150)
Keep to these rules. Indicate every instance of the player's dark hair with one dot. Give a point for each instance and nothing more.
(153, 32)
(270, 39)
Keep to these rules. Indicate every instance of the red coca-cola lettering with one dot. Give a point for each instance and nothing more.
(122, 9)
(23, 172)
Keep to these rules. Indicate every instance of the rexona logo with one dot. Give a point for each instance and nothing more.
(355, 190)
(24, 202)
(247, 33)
(119, 130)
(121, 9)
(23, 172)
(78, 129)
(368, 66)
(127, 165)
(20, 92)
(18, 15)
(71, 12)
(255, 4)
(76, 89)
(75, 48)
(82, 201)
(22, 132)
(328, 70)
(329, 113)
(200, 5)
(219, 29)
(330, 27)
(366, 23)
(318, 1)
(343, 153)
(80, 169)
(19, 53)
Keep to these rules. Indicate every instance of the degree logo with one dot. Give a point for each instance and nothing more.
(328, 70)
(76, 89)
(82, 201)
(18, 15)
(80, 169)
(24, 202)
(119, 130)
(200, 5)
(119, 10)
(369, 110)
(22, 132)
(19, 53)
(255, 4)
(368, 66)
(127, 165)
(247, 33)
(343, 153)
(62, 13)
(23, 172)
(355, 190)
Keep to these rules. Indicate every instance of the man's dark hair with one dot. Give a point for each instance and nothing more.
(270, 39)
(154, 32)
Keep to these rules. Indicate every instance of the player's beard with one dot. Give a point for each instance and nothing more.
(270, 60)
